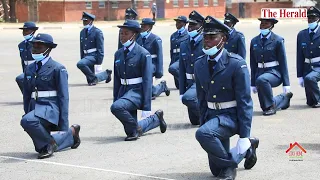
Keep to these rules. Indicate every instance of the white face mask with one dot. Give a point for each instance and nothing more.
(27, 37)
(194, 32)
(144, 34)
(264, 31)
(39, 57)
(129, 42)
(313, 25)
(88, 25)
(212, 51)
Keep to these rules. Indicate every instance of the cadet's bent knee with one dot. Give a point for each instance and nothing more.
(201, 135)
(115, 107)
(261, 80)
(310, 79)
(80, 64)
(186, 100)
(26, 124)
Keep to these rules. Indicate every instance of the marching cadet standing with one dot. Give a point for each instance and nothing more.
(132, 85)
(176, 38)
(46, 101)
(153, 44)
(269, 69)
(92, 51)
(308, 58)
(28, 31)
(223, 90)
(129, 14)
(236, 42)
(189, 52)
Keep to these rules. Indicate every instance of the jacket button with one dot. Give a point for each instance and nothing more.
(124, 72)
(261, 55)
(223, 88)
(202, 87)
(191, 54)
(85, 38)
(214, 96)
(212, 82)
(226, 42)
(191, 65)
(311, 43)
(311, 52)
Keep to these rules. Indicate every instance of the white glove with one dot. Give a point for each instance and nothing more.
(243, 145)
(181, 98)
(301, 81)
(254, 89)
(158, 79)
(145, 114)
(286, 89)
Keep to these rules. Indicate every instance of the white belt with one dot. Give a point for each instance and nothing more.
(189, 76)
(222, 105)
(312, 60)
(176, 50)
(29, 62)
(153, 56)
(268, 64)
(131, 81)
(43, 94)
(90, 50)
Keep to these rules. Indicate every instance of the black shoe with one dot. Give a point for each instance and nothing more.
(132, 138)
(163, 124)
(289, 95)
(47, 151)
(316, 105)
(153, 98)
(270, 111)
(166, 89)
(94, 82)
(76, 137)
(109, 72)
(227, 174)
(251, 156)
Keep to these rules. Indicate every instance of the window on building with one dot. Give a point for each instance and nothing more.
(175, 3)
(195, 2)
(186, 3)
(88, 5)
(146, 3)
(215, 2)
(114, 4)
(205, 2)
(102, 4)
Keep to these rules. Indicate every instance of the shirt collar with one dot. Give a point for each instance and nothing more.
(314, 30)
(195, 39)
(231, 31)
(90, 27)
(217, 57)
(148, 35)
(45, 60)
(266, 36)
(130, 47)
(182, 31)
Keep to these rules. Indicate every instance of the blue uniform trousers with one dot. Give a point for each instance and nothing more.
(174, 70)
(311, 88)
(190, 99)
(39, 131)
(19, 80)
(265, 83)
(126, 112)
(86, 65)
(214, 139)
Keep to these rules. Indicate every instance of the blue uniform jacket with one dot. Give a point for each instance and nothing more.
(137, 64)
(175, 41)
(230, 81)
(25, 48)
(186, 62)
(138, 40)
(94, 39)
(274, 50)
(51, 77)
(307, 48)
(236, 44)
(153, 45)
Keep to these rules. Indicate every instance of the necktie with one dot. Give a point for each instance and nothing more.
(179, 33)
(144, 40)
(192, 44)
(39, 65)
(311, 35)
(263, 41)
(212, 63)
(126, 51)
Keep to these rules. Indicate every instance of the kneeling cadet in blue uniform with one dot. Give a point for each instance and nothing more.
(268, 63)
(92, 51)
(308, 58)
(25, 47)
(153, 44)
(133, 85)
(190, 50)
(223, 89)
(46, 101)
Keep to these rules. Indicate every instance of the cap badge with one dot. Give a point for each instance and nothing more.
(208, 20)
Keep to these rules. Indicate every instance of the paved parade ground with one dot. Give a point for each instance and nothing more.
(103, 153)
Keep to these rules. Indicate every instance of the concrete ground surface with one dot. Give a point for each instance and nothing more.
(103, 153)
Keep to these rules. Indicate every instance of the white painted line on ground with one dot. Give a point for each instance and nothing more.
(82, 167)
